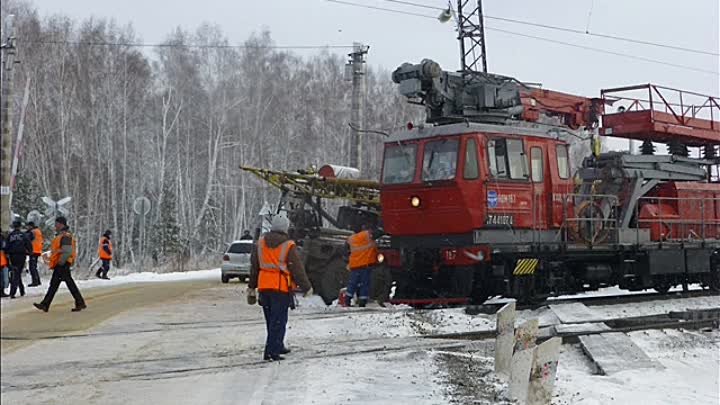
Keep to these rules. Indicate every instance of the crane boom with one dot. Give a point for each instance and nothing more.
(359, 192)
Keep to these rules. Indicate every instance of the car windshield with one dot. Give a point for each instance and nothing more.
(399, 164)
(440, 160)
(240, 248)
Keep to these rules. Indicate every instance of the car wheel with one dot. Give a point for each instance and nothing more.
(225, 279)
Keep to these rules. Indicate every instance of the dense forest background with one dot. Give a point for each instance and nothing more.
(107, 123)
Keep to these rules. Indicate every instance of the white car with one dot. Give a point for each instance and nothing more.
(236, 260)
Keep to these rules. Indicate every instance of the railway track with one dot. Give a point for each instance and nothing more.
(492, 307)
(690, 319)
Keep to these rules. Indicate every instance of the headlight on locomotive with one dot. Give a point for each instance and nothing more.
(415, 201)
(380, 258)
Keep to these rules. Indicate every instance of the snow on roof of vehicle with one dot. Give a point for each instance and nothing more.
(242, 241)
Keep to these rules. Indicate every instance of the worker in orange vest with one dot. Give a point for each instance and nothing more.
(62, 257)
(275, 268)
(36, 238)
(5, 281)
(105, 254)
(363, 258)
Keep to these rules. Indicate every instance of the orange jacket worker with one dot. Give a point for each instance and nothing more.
(275, 267)
(105, 255)
(62, 257)
(36, 238)
(363, 258)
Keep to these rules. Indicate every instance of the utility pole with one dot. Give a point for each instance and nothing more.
(8, 52)
(471, 34)
(355, 71)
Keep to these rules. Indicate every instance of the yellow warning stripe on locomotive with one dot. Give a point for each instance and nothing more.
(525, 267)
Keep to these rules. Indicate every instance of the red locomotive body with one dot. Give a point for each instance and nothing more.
(490, 205)
(682, 210)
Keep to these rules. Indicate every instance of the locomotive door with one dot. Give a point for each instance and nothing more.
(540, 203)
(509, 190)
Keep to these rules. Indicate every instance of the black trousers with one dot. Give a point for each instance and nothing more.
(275, 307)
(32, 265)
(104, 268)
(62, 273)
(17, 264)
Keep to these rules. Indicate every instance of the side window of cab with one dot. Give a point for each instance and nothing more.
(506, 159)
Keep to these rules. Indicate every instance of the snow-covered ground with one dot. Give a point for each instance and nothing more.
(206, 346)
(690, 375)
(128, 278)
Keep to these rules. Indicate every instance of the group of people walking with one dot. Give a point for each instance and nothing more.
(21, 245)
(18, 247)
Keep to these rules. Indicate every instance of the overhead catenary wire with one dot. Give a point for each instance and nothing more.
(381, 8)
(566, 29)
(589, 48)
(177, 45)
(626, 55)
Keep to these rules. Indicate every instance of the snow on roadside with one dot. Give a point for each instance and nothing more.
(655, 307)
(689, 376)
(144, 277)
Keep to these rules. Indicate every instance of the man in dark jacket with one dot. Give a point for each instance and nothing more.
(246, 235)
(17, 248)
(275, 268)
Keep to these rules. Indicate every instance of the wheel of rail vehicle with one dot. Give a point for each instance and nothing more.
(662, 288)
(482, 289)
(662, 285)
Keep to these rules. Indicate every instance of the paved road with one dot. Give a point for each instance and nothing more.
(198, 342)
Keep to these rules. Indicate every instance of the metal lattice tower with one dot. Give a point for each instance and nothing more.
(471, 34)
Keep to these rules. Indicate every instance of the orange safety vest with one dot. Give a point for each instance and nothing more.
(56, 250)
(273, 262)
(37, 243)
(101, 252)
(363, 250)
(3, 260)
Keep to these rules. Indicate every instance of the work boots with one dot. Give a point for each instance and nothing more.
(362, 302)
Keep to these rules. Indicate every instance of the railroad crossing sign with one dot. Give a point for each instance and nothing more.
(265, 214)
(55, 208)
(141, 206)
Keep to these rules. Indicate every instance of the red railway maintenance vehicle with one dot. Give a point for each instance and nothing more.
(483, 199)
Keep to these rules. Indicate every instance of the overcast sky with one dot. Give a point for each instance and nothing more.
(395, 39)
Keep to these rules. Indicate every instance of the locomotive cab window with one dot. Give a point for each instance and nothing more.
(563, 161)
(507, 159)
(536, 165)
(440, 160)
(399, 164)
(471, 170)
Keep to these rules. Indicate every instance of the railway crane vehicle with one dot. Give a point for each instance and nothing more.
(483, 200)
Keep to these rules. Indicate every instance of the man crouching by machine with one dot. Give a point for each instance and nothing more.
(275, 269)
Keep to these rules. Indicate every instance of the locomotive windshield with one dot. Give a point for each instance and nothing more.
(399, 164)
(440, 160)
